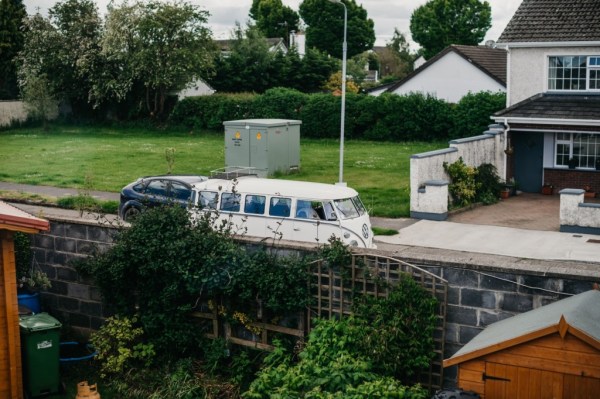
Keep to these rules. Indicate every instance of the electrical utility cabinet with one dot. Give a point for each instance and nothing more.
(265, 145)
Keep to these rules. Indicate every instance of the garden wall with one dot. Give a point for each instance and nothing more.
(427, 171)
(482, 288)
(12, 111)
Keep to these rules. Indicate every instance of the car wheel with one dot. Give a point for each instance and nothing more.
(131, 213)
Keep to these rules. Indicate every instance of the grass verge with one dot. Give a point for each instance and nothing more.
(106, 159)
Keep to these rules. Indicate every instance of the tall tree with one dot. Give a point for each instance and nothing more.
(12, 37)
(396, 60)
(161, 46)
(325, 27)
(440, 23)
(64, 48)
(274, 19)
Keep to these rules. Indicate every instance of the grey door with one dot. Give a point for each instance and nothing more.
(529, 154)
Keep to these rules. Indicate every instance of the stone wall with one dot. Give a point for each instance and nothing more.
(482, 288)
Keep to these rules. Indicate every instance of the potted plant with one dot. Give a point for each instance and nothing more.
(588, 191)
(547, 189)
(505, 192)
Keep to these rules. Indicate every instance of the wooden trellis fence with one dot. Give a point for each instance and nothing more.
(333, 295)
(332, 292)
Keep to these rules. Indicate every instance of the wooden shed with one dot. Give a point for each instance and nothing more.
(549, 352)
(11, 221)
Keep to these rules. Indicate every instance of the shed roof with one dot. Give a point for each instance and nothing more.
(14, 219)
(492, 61)
(578, 315)
(554, 21)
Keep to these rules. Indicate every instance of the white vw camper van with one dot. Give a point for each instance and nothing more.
(287, 210)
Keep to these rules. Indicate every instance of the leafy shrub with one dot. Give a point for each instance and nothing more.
(471, 116)
(463, 186)
(119, 346)
(488, 184)
(329, 367)
(280, 103)
(388, 117)
(398, 330)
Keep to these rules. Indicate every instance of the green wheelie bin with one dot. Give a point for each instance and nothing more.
(40, 335)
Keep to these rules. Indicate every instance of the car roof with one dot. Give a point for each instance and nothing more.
(278, 187)
(190, 179)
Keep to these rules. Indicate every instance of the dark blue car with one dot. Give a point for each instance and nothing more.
(157, 190)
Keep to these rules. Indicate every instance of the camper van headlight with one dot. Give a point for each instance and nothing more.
(346, 235)
(353, 243)
(365, 230)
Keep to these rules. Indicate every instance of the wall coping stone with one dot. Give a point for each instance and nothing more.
(434, 153)
(571, 191)
(485, 136)
(588, 205)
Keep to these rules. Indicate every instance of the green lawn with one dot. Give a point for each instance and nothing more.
(109, 158)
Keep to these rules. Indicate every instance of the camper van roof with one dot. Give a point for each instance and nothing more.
(284, 188)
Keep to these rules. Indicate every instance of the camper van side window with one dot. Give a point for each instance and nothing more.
(306, 209)
(255, 204)
(208, 199)
(230, 202)
(280, 207)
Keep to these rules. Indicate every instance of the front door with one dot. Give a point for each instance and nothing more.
(529, 156)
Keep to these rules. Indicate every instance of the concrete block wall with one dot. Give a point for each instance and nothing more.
(478, 297)
(73, 298)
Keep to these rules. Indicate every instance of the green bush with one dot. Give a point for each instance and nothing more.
(328, 367)
(463, 185)
(471, 116)
(280, 103)
(388, 117)
(120, 347)
(488, 184)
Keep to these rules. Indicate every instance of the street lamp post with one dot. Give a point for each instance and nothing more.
(343, 117)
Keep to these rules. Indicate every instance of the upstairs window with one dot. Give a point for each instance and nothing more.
(574, 73)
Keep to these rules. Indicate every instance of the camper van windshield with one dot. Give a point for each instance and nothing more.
(346, 208)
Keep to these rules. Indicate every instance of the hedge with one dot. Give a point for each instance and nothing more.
(388, 117)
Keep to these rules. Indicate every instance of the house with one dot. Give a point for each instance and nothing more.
(454, 72)
(552, 119)
(549, 352)
(274, 43)
(12, 220)
(196, 88)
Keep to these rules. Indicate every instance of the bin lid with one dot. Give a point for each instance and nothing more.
(38, 322)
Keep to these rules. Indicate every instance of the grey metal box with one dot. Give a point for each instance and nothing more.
(268, 145)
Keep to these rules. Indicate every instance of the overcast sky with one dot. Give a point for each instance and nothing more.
(387, 14)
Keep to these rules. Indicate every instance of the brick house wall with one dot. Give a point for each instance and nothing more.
(572, 178)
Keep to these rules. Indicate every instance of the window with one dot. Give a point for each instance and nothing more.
(208, 199)
(254, 204)
(180, 191)
(583, 148)
(230, 202)
(307, 209)
(346, 208)
(157, 187)
(280, 207)
(574, 73)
